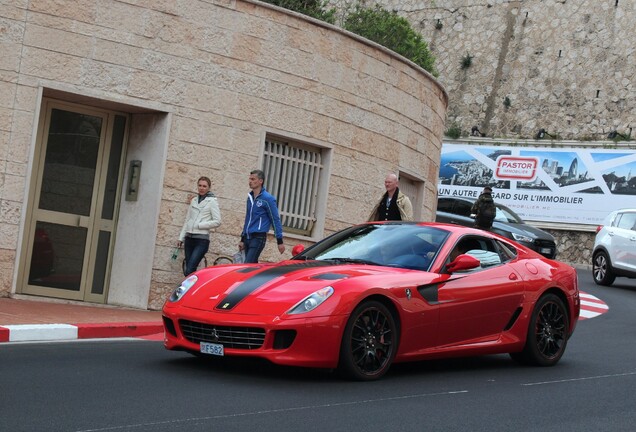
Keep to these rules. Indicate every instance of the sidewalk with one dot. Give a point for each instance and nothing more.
(41, 319)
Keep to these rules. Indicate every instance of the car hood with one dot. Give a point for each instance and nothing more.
(273, 289)
(524, 229)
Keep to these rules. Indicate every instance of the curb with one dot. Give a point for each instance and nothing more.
(62, 332)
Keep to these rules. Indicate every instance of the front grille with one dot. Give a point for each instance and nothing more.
(247, 338)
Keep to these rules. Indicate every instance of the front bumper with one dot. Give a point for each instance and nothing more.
(308, 342)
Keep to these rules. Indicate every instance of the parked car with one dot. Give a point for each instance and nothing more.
(456, 210)
(378, 293)
(614, 252)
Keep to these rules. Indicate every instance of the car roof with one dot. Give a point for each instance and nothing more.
(472, 200)
(457, 198)
(445, 226)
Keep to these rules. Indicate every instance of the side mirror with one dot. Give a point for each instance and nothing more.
(298, 249)
(463, 262)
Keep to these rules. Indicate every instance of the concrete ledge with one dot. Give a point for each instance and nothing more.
(61, 332)
(41, 332)
(92, 331)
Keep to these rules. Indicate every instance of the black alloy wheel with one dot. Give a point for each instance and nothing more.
(547, 333)
(369, 342)
(602, 269)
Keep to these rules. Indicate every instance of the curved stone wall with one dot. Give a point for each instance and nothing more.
(217, 76)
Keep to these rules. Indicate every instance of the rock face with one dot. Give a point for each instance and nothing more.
(565, 66)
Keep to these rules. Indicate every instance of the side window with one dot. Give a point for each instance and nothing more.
(616, 220)
(627, 221)
(445, 205)
(487, 253)
(481, 248)
(505, 216)
(462, 208)
(506, 252)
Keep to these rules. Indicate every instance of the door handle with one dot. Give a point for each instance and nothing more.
(83, 221)
(134, 174)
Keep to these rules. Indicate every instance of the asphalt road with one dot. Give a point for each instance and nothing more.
(135, 385)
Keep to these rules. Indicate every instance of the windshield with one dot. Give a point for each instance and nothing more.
(504, 214)
(396, 245)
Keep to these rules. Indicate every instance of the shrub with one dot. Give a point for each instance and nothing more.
(376, 24)
(467, 61)
(313, 8)
(391, 31)
(454, 131)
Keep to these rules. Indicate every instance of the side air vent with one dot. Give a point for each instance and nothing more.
(513, 319)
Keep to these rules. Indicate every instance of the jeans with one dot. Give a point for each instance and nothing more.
(253, 248)
(195, 249)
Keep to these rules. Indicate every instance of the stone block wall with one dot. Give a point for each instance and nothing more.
(218, 75)
(574, 247)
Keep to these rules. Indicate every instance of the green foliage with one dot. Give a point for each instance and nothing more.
(374, 23)
(391, 31)
(616, 137)
(313, 8)
(454, 131)
(467, 61)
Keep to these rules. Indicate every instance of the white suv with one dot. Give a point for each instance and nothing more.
(615, 247)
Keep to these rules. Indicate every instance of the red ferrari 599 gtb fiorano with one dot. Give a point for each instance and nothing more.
(379, 293)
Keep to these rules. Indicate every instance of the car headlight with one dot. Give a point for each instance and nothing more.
(312, 301)
(522, 238)
(183, 288)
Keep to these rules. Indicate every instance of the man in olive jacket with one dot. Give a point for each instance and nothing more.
(393, 205)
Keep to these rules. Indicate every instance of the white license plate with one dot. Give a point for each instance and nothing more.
(546, 250)
(211, 348)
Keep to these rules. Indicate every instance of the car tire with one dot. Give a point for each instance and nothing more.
(547, 334)
(602, 269)
(369, 342)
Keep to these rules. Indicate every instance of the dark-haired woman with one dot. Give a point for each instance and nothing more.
(203, 215)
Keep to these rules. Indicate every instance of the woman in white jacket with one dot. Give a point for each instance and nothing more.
(203, 215)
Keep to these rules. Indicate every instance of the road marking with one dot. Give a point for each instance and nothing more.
(591, 306)
(581, 379)
(279, 410)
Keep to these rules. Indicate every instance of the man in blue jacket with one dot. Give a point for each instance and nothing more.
(260, 215)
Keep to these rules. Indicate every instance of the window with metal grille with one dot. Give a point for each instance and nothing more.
(293, 174)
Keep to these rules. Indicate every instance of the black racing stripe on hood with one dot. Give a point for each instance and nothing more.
(247, 269)
(260, 279)
(330, 276)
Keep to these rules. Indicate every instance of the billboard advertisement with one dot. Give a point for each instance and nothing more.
(543, 184)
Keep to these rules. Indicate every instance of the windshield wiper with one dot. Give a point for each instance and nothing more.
(351, 261)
